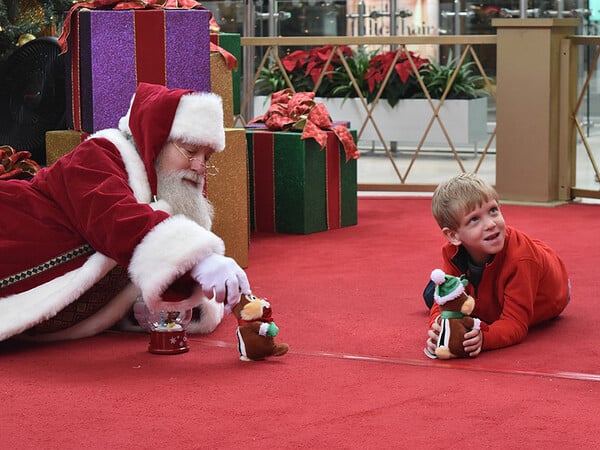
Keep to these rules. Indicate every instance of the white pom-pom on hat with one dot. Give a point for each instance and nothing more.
(199, 120)
(438, 276)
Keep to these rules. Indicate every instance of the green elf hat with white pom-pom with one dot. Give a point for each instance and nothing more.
(447, 287)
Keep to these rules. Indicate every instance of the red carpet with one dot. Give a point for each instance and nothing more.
(349, 304)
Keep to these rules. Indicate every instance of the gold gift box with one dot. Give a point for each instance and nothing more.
(221, 84)
(228, 192)
(61, 142)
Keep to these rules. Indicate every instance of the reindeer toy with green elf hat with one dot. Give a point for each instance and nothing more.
(455, 320)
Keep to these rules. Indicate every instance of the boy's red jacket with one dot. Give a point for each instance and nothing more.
(525, 284)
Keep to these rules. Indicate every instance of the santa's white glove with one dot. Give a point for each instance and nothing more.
(221, 277)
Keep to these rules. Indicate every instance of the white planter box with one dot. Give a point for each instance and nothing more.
(464, 120)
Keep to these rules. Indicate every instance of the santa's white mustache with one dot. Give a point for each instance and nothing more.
(188, 175)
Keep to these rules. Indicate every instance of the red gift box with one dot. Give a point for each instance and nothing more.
(111, 51)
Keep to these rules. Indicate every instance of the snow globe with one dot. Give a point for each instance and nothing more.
(167, 329)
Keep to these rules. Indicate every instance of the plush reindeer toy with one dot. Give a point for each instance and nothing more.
(455, 320)
(256, 329)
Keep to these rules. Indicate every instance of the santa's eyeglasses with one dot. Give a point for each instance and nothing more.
(210, 169)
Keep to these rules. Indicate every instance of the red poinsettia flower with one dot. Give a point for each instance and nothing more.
(318, 57)
(380, 65)
(403, 67)
(295, 60)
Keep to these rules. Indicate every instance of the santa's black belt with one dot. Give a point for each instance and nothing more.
(50, 264)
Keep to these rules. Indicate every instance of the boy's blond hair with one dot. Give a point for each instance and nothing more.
(456, 197)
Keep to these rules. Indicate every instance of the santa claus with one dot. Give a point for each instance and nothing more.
(120, 218)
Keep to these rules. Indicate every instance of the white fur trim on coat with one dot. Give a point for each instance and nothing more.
(136, 171)
(124, 121)
(199, 120)
(211, 314)
(167, 252)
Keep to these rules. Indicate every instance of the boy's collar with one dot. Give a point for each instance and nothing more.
(462, 259)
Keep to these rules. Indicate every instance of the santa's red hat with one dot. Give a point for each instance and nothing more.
(158, 114)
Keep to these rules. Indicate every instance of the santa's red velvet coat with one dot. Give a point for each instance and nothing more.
(77, 219)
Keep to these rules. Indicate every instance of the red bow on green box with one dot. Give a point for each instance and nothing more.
(291, 111)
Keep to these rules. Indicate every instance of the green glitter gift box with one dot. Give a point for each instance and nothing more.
(295, 187)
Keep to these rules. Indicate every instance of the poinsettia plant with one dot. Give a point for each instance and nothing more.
(303, 69)
(369, 70)
(402, 83)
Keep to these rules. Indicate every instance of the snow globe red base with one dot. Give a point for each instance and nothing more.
(168, 336)
(167, 329)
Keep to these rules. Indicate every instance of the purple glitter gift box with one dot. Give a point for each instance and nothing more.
(110, 52)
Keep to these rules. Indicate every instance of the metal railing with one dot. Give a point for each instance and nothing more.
(572, 128)
(579, 144)
(274, 46)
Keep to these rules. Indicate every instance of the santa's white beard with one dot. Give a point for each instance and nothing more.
(184, 197)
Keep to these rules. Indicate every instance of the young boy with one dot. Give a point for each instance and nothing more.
(516, 281)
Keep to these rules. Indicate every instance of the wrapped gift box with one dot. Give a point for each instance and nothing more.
(296, 187)
(221, 84)
(61, 142)
(232, 43)
(110, 52)
(228, 192)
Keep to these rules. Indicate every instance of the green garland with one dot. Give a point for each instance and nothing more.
(54, 11)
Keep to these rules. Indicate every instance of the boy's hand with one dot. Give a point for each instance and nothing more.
(432, 339)
(473, 342)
